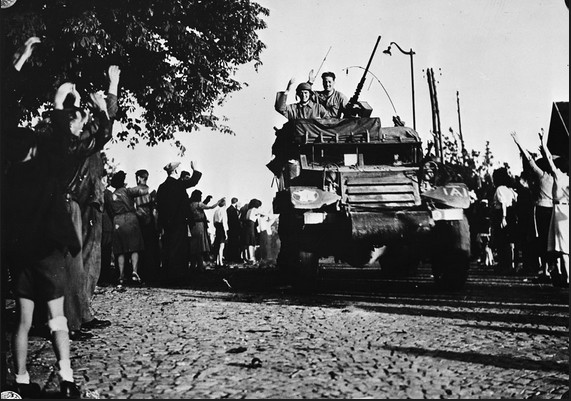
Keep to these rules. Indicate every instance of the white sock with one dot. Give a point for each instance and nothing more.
(23, 379)
(65, 371)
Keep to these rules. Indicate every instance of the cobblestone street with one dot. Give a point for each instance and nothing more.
(502, 337)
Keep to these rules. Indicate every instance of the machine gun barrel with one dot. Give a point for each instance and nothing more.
(355, 97)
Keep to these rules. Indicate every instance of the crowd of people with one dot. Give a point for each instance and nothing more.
(520, 224)
(164, 236)
(68, 225)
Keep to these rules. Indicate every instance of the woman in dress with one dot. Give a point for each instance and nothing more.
(250, 238)
(542, 184)
(220, 219)
(558, 236)
(127, 237)
(199, 242)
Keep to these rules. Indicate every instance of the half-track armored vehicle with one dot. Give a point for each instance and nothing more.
(362, 193)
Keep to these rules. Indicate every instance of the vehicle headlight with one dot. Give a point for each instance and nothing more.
(305, 195)
(311, 197)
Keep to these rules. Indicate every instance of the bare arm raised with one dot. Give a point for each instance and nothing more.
(114, 73)
(281, 99)
(526, 155)
(24, 53)
(547, 154)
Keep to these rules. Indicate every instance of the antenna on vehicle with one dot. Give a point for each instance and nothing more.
(346, 69)
(324, 58)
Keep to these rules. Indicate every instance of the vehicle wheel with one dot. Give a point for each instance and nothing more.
(399, 261)
(308, 270)
(287, 261)
(450, 254)
(287, 258)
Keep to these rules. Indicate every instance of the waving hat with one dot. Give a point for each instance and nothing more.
(169, 168)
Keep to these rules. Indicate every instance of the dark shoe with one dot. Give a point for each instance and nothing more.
(31, 390)
(78, 335)
(542, 279)
(95, 324)
(69, 390)
(558, 281)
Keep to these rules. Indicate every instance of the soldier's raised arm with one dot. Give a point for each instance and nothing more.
(281, 99)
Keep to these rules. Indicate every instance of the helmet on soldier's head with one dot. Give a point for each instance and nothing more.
(304, 86)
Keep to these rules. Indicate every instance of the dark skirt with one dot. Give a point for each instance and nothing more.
(507, 234)
(199, 242)
(127, 235)
(220, 233)
(543, 220)
(250, 233)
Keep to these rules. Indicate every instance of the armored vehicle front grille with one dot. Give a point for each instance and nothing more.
(387, 189)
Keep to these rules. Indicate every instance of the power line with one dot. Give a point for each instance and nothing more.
(346, 69)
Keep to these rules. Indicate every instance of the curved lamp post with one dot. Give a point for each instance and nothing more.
(411, 53)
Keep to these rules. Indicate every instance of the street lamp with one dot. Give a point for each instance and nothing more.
(410, 53)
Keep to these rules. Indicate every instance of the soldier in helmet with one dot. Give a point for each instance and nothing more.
(307, 105)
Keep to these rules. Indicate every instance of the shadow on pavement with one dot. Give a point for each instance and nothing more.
(488, 299)
(515, 329)
(501, 361)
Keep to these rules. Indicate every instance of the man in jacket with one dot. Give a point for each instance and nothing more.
(234, 227)
(173, 211)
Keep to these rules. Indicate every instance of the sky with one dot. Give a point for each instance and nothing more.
(507, 59)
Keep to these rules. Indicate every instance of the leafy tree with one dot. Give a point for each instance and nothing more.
(110, 165)
(450, 151)
(178, 57)
(471, 168)
(488, 157)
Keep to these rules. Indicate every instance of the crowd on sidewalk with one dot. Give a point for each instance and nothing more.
(66, 222)
(520, 225)
(170, 235)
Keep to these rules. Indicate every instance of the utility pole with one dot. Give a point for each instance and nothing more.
(435, 115)
(460, 129)
(431, 94)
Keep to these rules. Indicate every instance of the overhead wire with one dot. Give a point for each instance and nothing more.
(346, 69)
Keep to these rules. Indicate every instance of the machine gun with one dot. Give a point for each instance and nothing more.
(354, 107)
